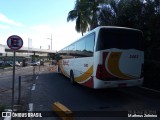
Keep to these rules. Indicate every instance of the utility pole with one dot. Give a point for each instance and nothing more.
(51, 41)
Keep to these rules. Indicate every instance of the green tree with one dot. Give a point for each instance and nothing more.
(79, 14)
(86, 14)
(129, 13)
(125, 13)
(93, 8)
(107, 13)
(98, 12)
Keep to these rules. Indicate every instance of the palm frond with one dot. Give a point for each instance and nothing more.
(72, 15)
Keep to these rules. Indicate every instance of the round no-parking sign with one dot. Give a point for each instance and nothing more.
(14, 42)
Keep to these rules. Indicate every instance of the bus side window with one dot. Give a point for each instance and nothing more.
(90, 45)
(80, 47)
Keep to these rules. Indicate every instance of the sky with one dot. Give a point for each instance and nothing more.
(37, 20)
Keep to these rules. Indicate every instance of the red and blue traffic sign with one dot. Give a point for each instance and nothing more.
(14, 42)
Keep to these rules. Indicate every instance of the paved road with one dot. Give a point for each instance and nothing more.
(51, 87)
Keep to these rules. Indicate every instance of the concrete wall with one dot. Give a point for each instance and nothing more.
(24, 54)
(2, 50)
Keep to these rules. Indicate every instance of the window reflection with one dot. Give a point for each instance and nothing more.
(82, 48)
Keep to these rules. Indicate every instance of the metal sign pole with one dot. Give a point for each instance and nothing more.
(13, 80)
(14, 42)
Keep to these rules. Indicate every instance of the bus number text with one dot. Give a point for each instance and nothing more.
(133, 56)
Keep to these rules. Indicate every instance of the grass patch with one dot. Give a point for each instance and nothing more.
(2, 107)
(2, 67)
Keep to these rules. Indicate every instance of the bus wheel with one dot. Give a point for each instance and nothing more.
(72, 77)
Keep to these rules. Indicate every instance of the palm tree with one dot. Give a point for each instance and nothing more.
(107, 12)
(93, 8)
(89, 14)
(79, 14)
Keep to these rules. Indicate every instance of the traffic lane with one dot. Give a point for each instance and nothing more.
(53, 87)
(44, 96)
(81, 98)
(40, 98)
(49, 100)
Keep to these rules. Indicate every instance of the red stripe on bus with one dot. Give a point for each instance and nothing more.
(89, 83)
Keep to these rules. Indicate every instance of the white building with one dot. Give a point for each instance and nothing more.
(2, 50)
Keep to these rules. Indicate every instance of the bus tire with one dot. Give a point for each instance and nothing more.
(72, 77)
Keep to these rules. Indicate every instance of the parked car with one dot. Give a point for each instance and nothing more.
(16, 63)
(34, 63)
(1, 63)
(38, 62)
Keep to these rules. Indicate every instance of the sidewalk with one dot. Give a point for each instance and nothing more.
(53, 68)
(10, 69)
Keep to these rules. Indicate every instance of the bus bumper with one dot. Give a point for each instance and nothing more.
(113, 84)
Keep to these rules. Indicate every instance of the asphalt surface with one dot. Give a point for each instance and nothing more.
(51, 87)
(46, 87)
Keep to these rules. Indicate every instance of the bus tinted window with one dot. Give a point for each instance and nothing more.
(85, 46)
(81, 48)
(119, 38)
(80, 45)
(90, 43)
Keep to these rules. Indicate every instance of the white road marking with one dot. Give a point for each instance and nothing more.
(33, 87)
(151, 89)
(30, 107)
(36, 77)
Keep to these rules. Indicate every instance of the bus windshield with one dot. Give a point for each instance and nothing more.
(119, 38)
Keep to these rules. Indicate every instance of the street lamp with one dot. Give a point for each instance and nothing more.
(51, 41)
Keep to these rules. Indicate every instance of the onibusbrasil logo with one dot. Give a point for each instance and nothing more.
(22, 114)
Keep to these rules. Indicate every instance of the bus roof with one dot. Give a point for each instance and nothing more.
(97, 29)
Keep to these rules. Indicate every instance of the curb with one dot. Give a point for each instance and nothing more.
(9, 68)
(62, 111)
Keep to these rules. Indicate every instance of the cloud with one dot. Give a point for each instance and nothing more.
(4, 19)
(42, 28)
(4, 27)
(62, 35)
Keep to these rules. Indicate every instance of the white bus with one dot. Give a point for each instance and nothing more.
(105, 57)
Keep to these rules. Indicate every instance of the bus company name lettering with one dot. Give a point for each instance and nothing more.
(66, 62)
(85, 65)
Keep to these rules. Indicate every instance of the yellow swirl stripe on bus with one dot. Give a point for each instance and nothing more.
(113, 66)
(84, 76)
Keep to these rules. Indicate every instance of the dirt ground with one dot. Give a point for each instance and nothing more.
(26, 84)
